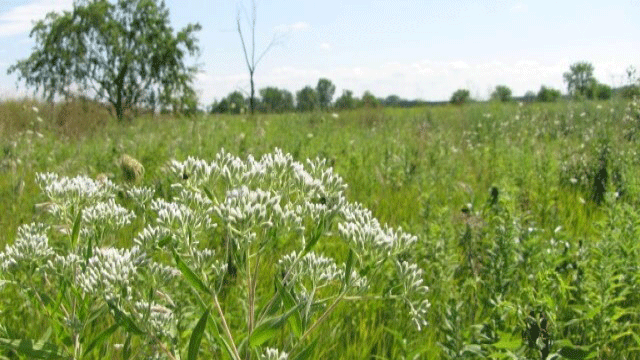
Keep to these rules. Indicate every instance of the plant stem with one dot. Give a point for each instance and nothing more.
(226, 327)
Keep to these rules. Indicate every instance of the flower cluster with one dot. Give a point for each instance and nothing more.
(111, 272)
(367, 237)
(273, 354)
(30, 247)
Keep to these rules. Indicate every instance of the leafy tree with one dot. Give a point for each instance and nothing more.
(460, 96)
(124, 53)
(546, 94)
(346, 101)
(325, 90)
(579, 78)
(276, 100)
(501, 93)
(307, 99)
(392, 100)
(234, 103)
(368, 100)
(632, 89)
(529, 96)
(599, 91)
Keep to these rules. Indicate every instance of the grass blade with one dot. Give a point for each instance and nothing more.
(101, 338)
(125, 320)
(191, 277)
(33, 350)
(196, 336)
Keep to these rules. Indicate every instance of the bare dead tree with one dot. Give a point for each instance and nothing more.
(250, 54)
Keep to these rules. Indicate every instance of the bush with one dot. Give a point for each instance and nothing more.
(460, 97)
(546, 94)
(274, 239)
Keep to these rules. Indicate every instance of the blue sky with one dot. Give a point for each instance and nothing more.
(416, 49)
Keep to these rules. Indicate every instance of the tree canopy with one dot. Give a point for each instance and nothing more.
(124, 53)
(579, 78)
(325, 90)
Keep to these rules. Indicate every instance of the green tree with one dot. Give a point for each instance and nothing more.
(392, 100)
(632, 89)
(276, 100)
(124, 53)
(234, 103)
(546, 94)
(369, 100)
(579, 78)
(346, 101)
(307, 99)
(599, 91)
(460, 96)
(529, 96)
(501, 93)
(325, 90)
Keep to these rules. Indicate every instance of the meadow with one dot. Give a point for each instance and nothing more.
(525, 219)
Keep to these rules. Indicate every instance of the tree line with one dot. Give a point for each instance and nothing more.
(127, 55)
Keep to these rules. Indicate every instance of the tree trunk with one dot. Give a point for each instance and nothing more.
(252, 98)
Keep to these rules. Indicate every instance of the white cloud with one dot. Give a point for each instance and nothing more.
(19, 20)
(325, 46)
(295, 27)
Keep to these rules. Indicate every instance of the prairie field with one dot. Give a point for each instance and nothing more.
(525, 220)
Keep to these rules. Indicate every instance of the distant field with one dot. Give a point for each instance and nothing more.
(526, 214)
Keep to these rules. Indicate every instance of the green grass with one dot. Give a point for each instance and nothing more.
(544, 248)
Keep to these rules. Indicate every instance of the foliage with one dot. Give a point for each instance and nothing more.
(460, 96)
(307, 99)
(369, 100)
(234, 103)
(124, 53)
(325, 90)
(501, 93)
(547, 94)
(523, 259)
(599, 91)
(346, 101)
(277, 223)
(276, 100)
(579, 79)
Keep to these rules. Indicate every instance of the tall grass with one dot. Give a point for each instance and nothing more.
(542, 266)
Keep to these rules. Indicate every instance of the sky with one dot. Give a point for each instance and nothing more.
(423, 49)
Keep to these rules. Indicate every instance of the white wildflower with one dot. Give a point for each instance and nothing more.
(273, 354)
(30, 247)
(110, 272)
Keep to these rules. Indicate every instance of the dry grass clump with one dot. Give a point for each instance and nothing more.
(132, 169)
(78, 117)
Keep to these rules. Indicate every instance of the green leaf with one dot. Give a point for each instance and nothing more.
(196, 336)
(208, 193)
(289, 302)
(126, 349)
(570, 351)
(314, 240)
(191, 277)
(508, 341)
(227, 347)
(307, 352)
(75, 232)
(269, 328)
(347, 270)
(125, 320)
(39, 350)
(101, 338)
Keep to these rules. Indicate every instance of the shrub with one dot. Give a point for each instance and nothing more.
(274, 239)
(460, 96)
